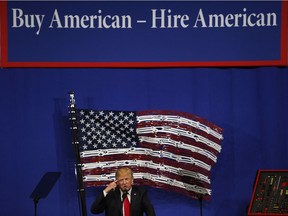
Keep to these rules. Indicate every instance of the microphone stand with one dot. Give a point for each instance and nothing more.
(124, 195)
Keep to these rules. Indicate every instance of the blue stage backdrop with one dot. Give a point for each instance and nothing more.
(249, 103)
(39, 71)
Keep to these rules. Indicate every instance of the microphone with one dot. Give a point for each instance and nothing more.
(124, 195)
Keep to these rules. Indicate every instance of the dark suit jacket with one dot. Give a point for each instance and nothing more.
(112, 204)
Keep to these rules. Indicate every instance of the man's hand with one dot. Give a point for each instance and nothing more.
(111, 186)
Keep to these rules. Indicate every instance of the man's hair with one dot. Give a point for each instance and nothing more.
(122, 171)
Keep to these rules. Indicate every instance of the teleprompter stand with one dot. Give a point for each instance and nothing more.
(43, 188)
(200, 198)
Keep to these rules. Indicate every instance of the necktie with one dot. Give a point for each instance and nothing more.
(126, 204)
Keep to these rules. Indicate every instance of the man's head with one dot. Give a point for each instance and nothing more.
(124, 177)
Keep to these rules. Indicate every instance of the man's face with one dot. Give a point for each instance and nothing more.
(125, 181)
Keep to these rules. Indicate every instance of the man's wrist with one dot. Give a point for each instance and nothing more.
(105, 193)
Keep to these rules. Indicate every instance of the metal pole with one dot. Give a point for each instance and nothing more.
(75, 142)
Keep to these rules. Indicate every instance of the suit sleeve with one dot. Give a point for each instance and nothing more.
(148, 208)
(98, 205)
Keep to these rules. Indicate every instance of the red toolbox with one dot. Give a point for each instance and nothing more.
(270, 194)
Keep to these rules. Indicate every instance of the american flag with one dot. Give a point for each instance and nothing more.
(165, 149)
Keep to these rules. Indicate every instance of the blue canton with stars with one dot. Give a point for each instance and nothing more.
(106, 129)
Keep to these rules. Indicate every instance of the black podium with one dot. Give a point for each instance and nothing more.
(43, 188)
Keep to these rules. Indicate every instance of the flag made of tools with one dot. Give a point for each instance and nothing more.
(165, 149)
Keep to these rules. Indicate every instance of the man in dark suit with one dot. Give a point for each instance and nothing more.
(113, 197)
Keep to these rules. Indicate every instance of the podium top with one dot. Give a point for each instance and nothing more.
(45, 185)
